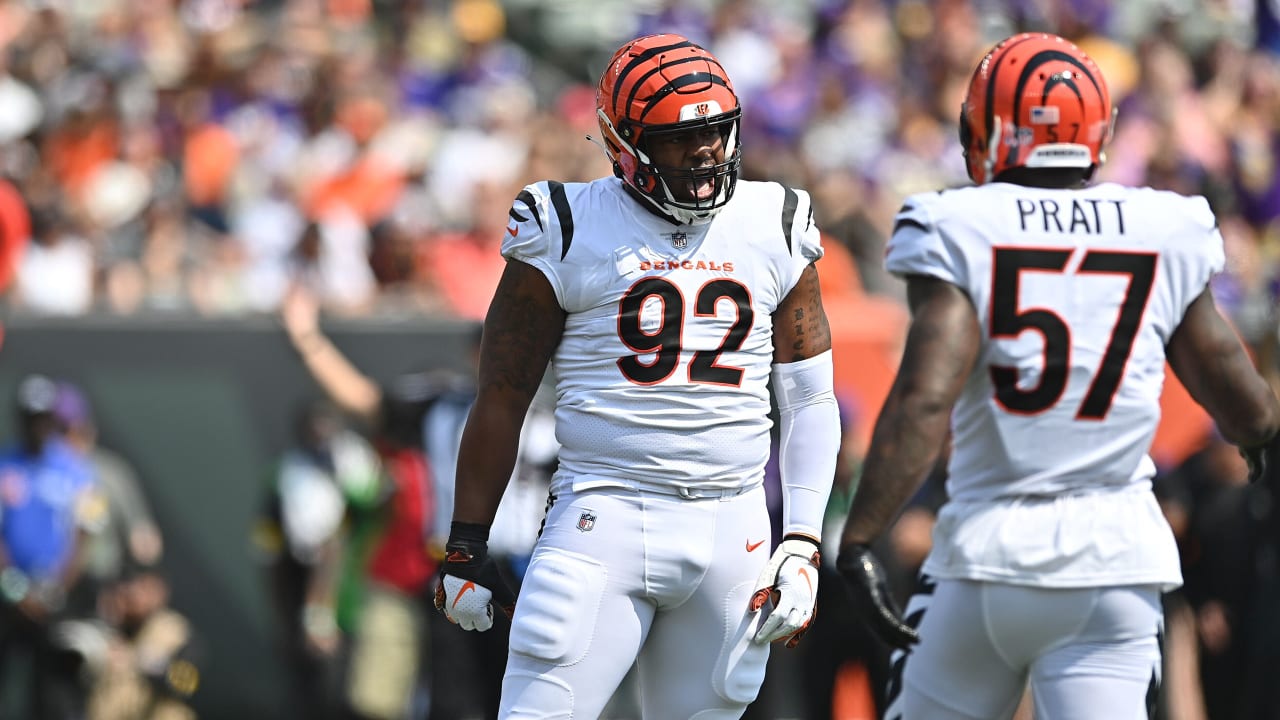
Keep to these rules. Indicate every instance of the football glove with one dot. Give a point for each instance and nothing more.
(1256, 458)
(790, 580)
(870, 589)
(470, 584)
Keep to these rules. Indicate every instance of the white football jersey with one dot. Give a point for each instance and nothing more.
(1077, 293)
(661, 374)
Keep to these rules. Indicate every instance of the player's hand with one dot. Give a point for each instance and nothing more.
(299, 312)
(790, 580)
(1256, 458)
(470, 584)
(870, 588)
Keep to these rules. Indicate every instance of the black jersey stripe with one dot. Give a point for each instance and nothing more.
(789, 203)
(1153, 685)
(640, 60)
(527, 198)
(677, 84)
(909, 222)
(564, 213)
(546, 510)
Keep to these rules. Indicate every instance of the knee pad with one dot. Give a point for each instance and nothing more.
(740, 669)
(535, 695)
(559, 604)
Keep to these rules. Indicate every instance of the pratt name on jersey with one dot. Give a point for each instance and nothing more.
(1087, 215)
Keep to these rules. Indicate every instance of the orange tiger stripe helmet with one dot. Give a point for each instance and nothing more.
(1036, 100)
(660, 84)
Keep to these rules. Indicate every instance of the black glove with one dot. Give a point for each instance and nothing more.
(470, 584)
(866, 580)
(1256, 458)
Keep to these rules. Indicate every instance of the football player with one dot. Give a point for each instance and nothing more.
(665, 297)
(1043, 310)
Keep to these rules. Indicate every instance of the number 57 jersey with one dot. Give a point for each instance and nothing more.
(661, 374)
(1077, 293)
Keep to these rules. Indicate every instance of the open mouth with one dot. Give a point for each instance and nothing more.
(701, 184)
(702, 188)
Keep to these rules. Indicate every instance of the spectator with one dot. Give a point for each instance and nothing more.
(129, 534)
(1230, 570)
(55, 275)
(48, 506)
(15, 231)
(385, 678)
(152, 659)
(427, 410)
(319, 492)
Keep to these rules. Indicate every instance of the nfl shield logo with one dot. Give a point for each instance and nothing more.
(586, 521)
(679, 240)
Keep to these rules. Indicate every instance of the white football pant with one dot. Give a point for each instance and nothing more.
(621, 576)
(1088, 653)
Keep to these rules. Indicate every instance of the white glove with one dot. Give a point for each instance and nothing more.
(466, 603)
(790, 580)
(470, 584)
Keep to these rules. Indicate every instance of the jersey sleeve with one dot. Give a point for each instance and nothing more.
(534, 233)
(804, 228)
(804, 241)
(918, 248)
(1193, 252)
(1208, 255)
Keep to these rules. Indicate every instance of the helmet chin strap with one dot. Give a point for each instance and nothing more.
(600, 144)
(691, 216)
(608, 124)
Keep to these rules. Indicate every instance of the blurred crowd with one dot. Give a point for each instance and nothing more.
(86, 630)
(211, 157)
(203, 155)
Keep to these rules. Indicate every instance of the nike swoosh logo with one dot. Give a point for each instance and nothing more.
(751, 547)
(466, 586)
(804, 573)
(513, 231)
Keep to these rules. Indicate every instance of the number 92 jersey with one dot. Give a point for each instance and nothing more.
(1077, 293)
(661, 374)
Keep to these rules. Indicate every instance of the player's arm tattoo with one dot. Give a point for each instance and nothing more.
(800, 327)
(523, 328)
(521, 332)
(942, 347)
